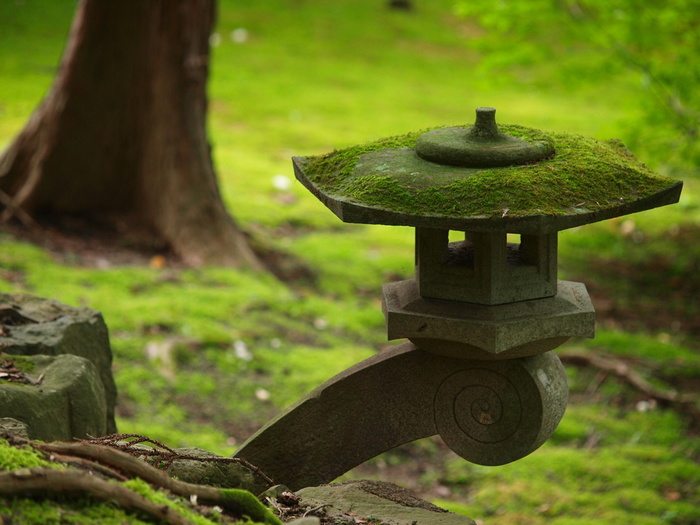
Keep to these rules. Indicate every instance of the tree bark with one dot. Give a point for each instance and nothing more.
(121, 135)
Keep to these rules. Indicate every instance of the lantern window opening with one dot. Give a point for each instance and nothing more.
(460, 250)
(519, 250)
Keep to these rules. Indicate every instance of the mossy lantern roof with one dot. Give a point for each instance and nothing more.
(485, 178)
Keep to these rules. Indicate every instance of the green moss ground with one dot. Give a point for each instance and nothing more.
(204, 357)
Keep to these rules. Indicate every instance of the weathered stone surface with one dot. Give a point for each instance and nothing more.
(389, 503)
(14, 426)
(48, 327)
(476, 331)
(386, 182)
(481, 146)
(224, 473)
(492, 415)
(68, 403)
(304, 521)
(485, 268)
(490, 412)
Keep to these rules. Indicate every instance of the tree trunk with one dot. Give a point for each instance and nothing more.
(122, 132)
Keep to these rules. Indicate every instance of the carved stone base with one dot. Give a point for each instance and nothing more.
(490, 412)
(476, 331)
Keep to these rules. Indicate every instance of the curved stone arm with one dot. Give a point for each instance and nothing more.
(489, 412)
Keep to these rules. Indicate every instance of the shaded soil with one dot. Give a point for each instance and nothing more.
(638, 308)
(654, 288)
(76, 241)
(73, 240)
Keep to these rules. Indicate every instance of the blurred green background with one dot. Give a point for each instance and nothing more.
(204, 356)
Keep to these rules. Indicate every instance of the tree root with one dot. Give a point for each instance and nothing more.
(37, 480)
(163, 456)
(94, 461)
(13, 210)
(625, 372)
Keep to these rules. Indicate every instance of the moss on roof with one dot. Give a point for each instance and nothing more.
(585, 175)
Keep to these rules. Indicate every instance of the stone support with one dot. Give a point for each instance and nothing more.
(490, 412)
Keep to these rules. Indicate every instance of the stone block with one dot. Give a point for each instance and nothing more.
(37, 326)
(14, 427)
(219, 472)
(484, 268)
(466, 330)
(389, 503)
(68, 403)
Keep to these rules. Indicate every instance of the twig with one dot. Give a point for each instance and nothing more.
(315, 509)
(90, 466)
(127, 443)
(595, 383)
(30, 481)
(625, 372)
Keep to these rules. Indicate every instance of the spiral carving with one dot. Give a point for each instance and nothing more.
(495, 412)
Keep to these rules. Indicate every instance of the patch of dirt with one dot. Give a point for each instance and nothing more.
(413, 467)
(77, 241)
(655, 288)
(80, 242)
(397, 494)
(643, 307)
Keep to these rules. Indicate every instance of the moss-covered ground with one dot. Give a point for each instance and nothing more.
(204, 357)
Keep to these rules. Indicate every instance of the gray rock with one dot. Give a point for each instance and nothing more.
(472, 331)
(389, 503)
(68, 403)
(14, 426)
(223, 472)
(37, 326)
(305, 521)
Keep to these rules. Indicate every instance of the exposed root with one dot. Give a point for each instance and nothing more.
(14, 210)
(162, 456)
(51, 480)
(625, 372)
(93, 463)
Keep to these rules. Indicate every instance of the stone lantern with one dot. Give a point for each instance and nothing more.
(482, 314)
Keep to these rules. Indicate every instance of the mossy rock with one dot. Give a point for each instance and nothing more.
(386, 182)
(35, 326)
(225, 474)
(379, 502)
(68, 403)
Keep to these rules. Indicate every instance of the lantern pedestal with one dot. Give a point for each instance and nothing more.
(489, 412)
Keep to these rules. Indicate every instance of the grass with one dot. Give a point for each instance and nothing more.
(204, 357)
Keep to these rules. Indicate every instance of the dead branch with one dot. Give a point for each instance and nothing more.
(625, 372)
(161, 453)
(51, 480)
